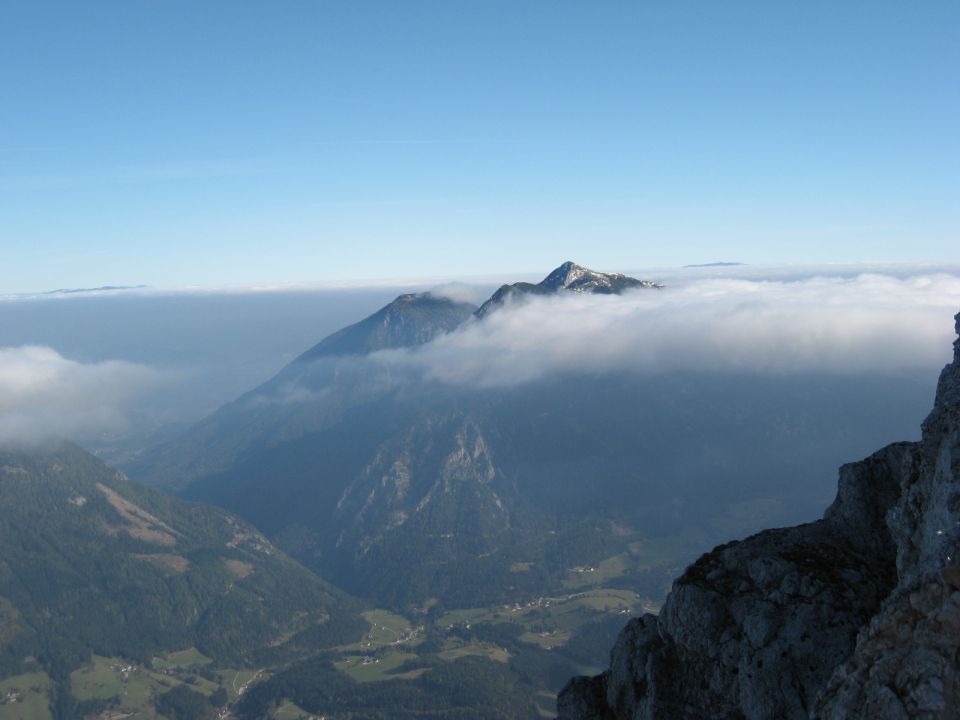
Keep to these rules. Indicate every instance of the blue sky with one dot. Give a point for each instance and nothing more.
(174, 143)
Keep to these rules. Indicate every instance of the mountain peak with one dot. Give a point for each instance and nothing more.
(572, 277)
(566, 275)
(410, 319)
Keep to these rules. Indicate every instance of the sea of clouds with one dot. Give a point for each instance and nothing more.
(876, 323)
(868, 323)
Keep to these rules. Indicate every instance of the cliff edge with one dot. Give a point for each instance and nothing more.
(856, 615)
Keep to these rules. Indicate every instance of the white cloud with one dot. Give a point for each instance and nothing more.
(459, 292)
(44, 395)
(865, 323)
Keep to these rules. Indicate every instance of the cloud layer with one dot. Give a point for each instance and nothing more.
(459, 292)
(44, 395)
(868, 323)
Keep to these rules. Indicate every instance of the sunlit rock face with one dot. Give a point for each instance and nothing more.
(856, 615)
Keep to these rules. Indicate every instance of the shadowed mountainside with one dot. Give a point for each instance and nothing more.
(405, 489)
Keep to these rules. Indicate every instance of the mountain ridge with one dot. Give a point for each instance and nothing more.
(402, 489)
(410, 320)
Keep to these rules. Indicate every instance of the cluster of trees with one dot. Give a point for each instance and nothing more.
(184, 703)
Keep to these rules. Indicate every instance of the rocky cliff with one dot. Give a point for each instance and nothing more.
(856, 615)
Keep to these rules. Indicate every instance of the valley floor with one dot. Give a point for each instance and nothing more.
(531, 636)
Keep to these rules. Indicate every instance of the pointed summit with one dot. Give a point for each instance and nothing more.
(565, 275)
(572, 277)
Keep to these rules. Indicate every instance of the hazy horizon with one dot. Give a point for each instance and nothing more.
(139, 360)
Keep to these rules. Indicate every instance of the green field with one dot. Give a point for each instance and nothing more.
(455, 648)
(547, 639)
(456, 617)
(368, 668)
(233, 680)
(103, 680)
(549, 621)
(290, 711)
(31, 697)
(130, 688)
(377, 659)
(181, 659)
(136, 687)
(640, 555)
(386, 629)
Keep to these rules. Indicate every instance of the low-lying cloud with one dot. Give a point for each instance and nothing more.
(44, 395)
(869, 323)
(459, 292)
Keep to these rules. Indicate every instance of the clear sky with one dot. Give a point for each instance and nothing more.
(174, 143)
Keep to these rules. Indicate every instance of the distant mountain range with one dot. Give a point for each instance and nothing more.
(409, 491)
(103, 288)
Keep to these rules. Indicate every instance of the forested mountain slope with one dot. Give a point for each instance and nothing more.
(93, 563)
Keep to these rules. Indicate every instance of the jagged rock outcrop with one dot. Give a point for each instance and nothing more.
(856, 615)
(906, 660)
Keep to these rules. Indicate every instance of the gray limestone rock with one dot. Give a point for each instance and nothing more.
(905, 664)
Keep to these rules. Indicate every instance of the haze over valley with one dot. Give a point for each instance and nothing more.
(496, 481)
(501, 360)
